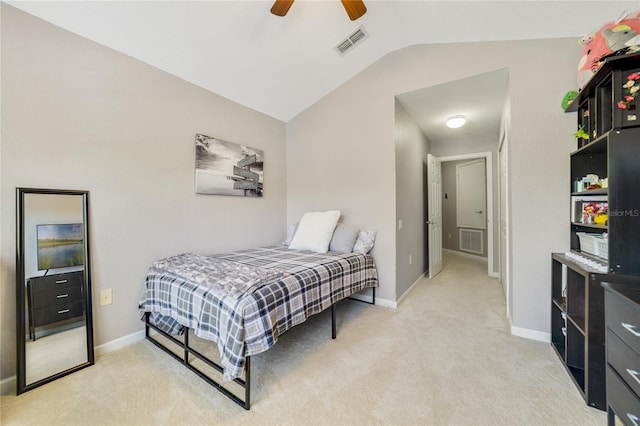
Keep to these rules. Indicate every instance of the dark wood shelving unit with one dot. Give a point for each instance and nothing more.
(599, 191)
(590, 225)
(612, 151)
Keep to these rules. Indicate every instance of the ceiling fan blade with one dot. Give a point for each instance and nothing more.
(355, 8)
(281, 7)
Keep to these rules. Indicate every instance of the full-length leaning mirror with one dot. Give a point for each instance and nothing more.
(54, 324)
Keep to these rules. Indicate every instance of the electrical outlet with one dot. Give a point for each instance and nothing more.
(399, 224)
(449, 236)
(410, 259)
(106, 297)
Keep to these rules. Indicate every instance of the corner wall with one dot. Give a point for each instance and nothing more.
(412, 146)
(77, 115)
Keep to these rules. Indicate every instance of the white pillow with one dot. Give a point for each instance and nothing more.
(315, 231)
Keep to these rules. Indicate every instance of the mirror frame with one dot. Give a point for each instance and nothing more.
(22, 386)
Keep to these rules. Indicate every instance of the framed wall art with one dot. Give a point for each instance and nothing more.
(227, 168)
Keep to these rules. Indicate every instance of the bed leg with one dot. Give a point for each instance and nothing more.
(333, 321)
(247, 383)
(185, 347)
(146, 324)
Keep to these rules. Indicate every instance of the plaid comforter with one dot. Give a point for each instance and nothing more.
(250, 324)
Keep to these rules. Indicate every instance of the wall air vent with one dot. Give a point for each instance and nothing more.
(349, 43)
(471, 240)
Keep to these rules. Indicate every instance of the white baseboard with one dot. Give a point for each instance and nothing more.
(8, 385)
(378, 302)
(531, 334)
(119, 343)
(385, 303)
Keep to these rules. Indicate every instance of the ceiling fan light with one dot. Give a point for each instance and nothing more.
(456, 121)
(354, 8)
(281, 7)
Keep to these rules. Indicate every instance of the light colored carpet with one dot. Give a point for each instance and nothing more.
(55, 352)
(445, 356)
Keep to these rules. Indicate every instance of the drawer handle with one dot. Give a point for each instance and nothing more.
(634, 374)
(62, 296)
(61, 281)
(631, 328)
(64, 311)
(634, 419)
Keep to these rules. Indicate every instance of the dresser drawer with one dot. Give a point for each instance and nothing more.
(57, 297)
(57, 313)
(624, 360)
(625, 404)
(59, 281)
(623, 318)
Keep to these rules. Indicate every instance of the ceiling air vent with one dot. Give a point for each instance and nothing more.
(349, 43)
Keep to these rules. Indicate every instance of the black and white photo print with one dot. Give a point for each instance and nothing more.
(227, 168)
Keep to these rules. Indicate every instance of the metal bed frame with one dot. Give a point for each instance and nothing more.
(188, 350)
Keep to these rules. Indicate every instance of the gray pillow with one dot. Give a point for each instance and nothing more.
(365, 242)
(343, 239)
(291, 231)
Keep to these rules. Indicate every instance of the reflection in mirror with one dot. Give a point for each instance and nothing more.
(55, 335)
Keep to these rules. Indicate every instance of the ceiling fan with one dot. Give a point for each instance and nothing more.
(355, 8)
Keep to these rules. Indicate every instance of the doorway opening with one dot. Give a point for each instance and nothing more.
(420, 134)
(472, 216)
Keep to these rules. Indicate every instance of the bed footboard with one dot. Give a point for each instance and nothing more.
(188, 350)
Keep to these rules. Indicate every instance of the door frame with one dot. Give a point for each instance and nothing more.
(434, 215)
(488, 156)
(459, 192)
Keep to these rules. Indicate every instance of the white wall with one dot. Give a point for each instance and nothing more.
(411, 151)
(346, 140)
(77, 115)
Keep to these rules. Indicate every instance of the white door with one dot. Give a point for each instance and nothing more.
(504, 235)
(471, 199)
(434, 214)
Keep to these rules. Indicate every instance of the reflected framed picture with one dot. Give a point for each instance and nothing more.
(60, 245)
(227, 168)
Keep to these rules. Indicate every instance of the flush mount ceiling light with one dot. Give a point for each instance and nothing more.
(456, 121)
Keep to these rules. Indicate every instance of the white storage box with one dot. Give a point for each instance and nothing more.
(594, 244)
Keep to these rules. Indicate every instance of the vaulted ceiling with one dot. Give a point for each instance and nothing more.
(282, 65)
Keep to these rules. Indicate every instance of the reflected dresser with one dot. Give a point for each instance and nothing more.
(54, 298)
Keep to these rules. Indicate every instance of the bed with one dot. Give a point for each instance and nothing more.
(243, 301)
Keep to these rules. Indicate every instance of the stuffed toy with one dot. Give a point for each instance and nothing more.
(614, 38)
